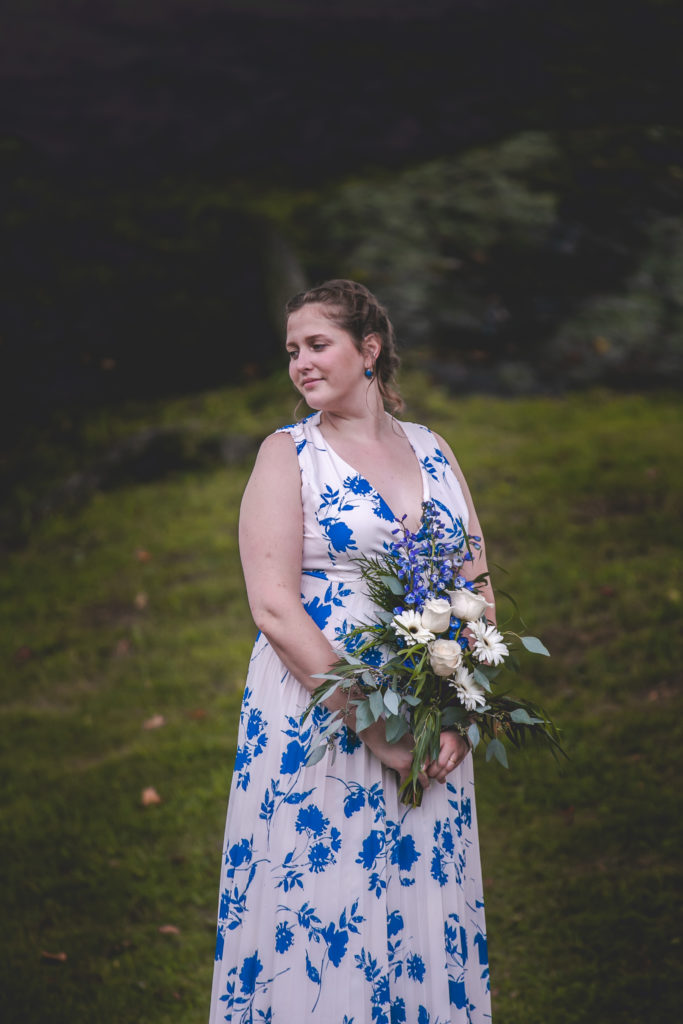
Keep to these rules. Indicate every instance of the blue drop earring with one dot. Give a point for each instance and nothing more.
(368, 373)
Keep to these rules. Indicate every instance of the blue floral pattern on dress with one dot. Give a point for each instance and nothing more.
(436, 464)
(338, 905)
(320, 609)
(253, 736)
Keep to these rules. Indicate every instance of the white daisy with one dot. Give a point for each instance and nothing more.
(469, 693)
(409, 626)
(488, 643)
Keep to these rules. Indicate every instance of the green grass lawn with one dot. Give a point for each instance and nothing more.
(131, 605)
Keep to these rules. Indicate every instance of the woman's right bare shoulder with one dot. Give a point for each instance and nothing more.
(277, 464)
(273, 487)
(278, 449)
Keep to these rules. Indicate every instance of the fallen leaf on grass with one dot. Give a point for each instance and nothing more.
(142, 555)
(141, 600)
(149, 797)
(168, 929)
(59, 957)
(607, 591)
(22, 654)
(196, 713)
(155, 722)
(122, 647)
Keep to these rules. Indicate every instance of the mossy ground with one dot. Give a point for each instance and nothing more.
(133, 605)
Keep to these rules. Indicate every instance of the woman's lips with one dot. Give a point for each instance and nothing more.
(309, 383)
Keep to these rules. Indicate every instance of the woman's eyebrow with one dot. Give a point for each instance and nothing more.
(308, 339)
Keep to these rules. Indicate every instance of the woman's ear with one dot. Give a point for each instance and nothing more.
(372, 346)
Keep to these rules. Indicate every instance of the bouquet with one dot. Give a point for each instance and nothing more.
(429, 661)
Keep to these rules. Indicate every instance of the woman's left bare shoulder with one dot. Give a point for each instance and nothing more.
(446, 449)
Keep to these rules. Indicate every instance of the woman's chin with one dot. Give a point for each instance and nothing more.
(311, 397)
(310, 400)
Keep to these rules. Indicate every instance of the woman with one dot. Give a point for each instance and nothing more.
(338, 904)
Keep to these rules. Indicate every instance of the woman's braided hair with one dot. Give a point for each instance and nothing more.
(354, 309)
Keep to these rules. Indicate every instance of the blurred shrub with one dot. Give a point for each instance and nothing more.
(424, 237)
(636, 335)
(538, 261)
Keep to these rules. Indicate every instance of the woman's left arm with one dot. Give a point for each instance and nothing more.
(454, 748)
(471, 570)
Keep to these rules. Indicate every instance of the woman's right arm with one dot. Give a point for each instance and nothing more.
(271, 542)
(271, 539)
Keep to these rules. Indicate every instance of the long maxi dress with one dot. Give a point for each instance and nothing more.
(337, 903)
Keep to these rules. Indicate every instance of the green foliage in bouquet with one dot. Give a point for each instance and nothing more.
(429, 660)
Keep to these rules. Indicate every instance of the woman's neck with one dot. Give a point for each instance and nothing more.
(371, 424)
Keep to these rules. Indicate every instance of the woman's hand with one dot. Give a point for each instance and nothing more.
(454, 749)
(398, 756)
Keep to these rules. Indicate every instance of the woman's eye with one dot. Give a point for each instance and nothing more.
(292, 353)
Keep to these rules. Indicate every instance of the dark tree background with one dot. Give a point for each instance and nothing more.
(171, 169)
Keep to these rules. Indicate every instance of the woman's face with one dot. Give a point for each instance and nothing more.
(324, 363)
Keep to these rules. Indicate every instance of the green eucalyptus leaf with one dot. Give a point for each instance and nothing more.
(474, 735)
(396, 726)
(480, 678)
(331, 728)
(410, 699)
(522, 717)
(490, 671)
(533, 644)
(451, 715)
(383, 616)
(376, 702)
(394, 585)
(392, 702)
(317, 754)
(496, 749)
(364, 716)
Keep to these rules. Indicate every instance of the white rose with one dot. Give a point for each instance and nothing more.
(436, 614)
(467, 605)
(445, 656)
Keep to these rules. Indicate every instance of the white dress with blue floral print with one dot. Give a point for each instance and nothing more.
(338, 904)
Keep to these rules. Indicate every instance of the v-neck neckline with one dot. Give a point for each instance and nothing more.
(423, 475)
